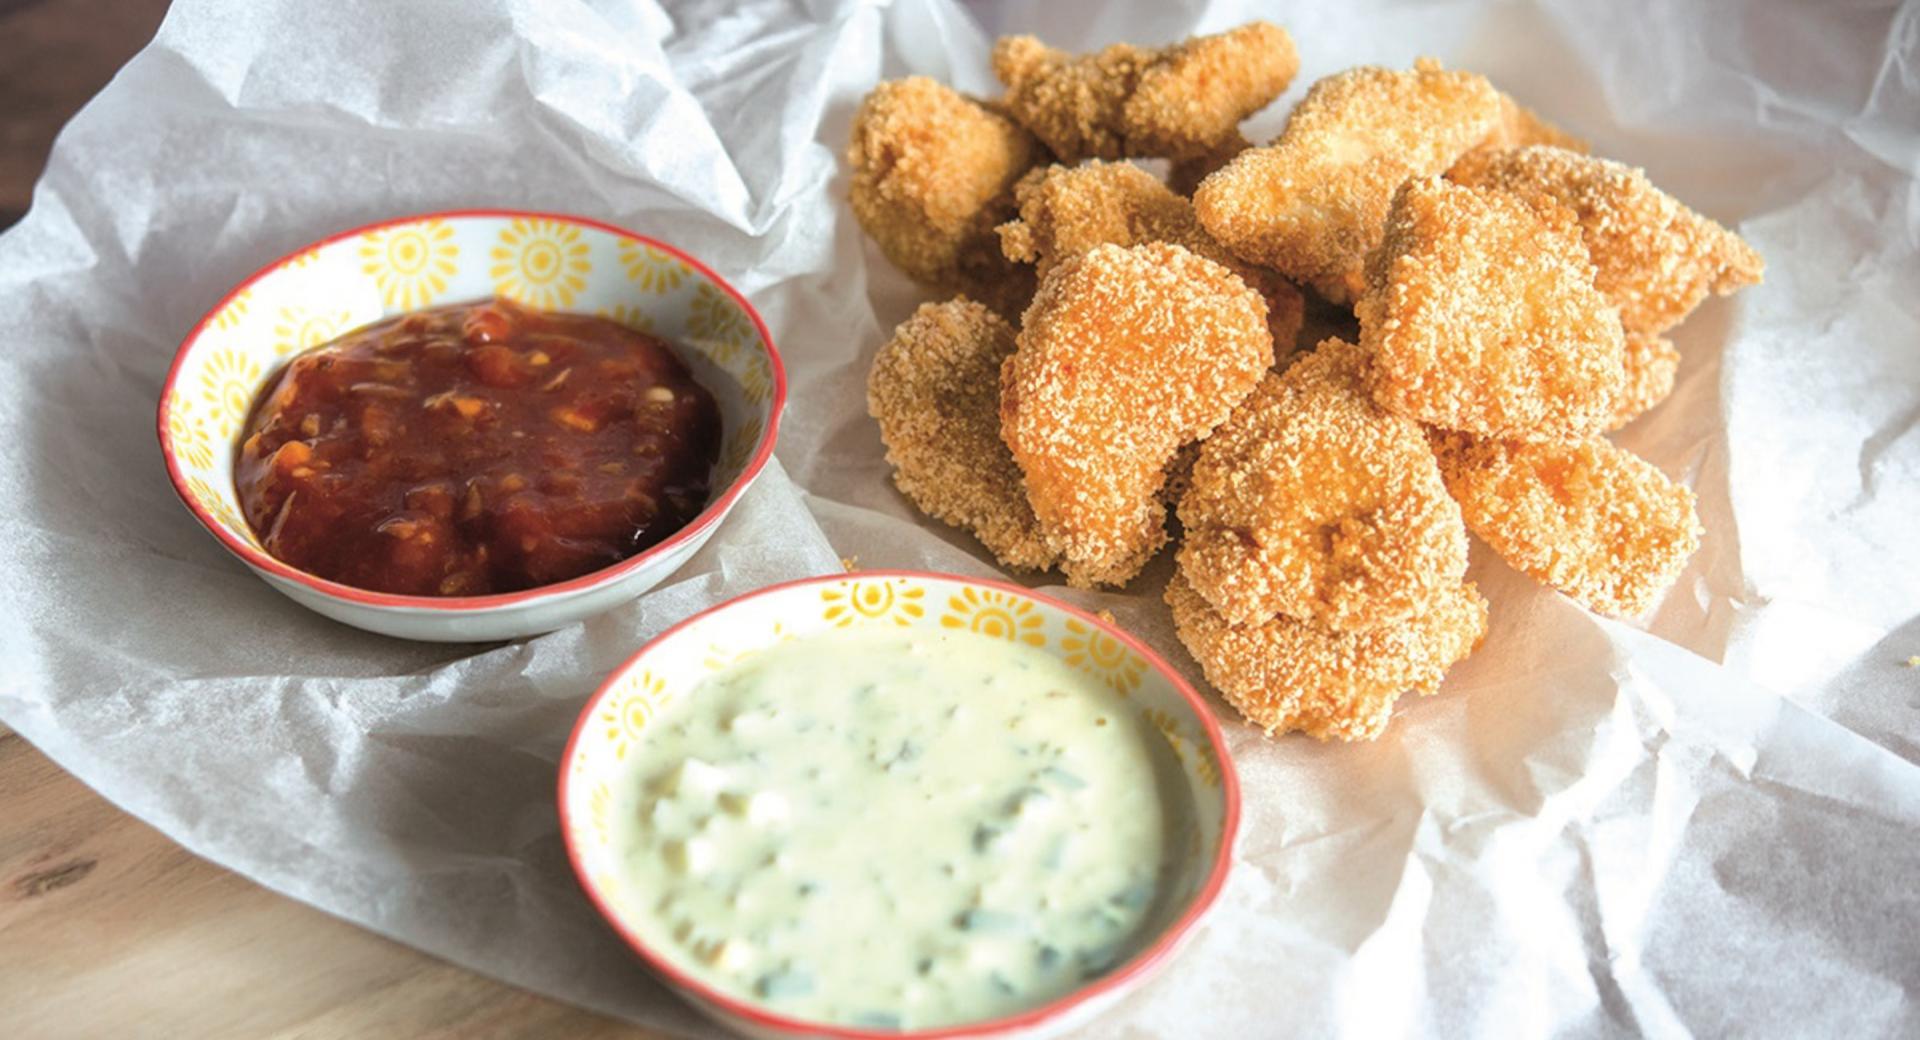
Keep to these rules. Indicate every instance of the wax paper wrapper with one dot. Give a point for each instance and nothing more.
(1707, 822)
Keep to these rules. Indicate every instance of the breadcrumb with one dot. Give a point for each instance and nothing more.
(935, 389)
(1178, 102)
(933, 174)
(1482, 316)
(1520, 126)
(1312, 502)
(1587, 518)
(1313, 203)
(1285, 675)
(1066, 210)
(1652, 256)
(1125, 355)
(1651, 364)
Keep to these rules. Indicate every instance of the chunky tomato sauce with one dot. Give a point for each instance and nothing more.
(475, 449)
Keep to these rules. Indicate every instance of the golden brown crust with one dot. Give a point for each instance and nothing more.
(1311, 205)
(1653, 257)
(1286, 675)
(1178, 102)
(933, 173)
(1520, 126)
(1313, 502)
(1068, 210)
(1587, 518)
(1125, 355)
(1651, 363)
(935, 389)
(1481, 316)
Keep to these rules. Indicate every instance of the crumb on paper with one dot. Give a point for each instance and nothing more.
(849, 563)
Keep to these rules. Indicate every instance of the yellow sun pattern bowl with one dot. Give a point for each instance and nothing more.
(616, 719)
(548, 261)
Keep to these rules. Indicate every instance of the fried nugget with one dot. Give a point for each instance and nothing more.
(1482, 316)
(935, 389)
(1126, 355)
(1286, 675)
(1312, 204)
(933, 174)
(1653, 257)
(1178, 102)
(1587, 518)
(1651, 364)
(1067, 210)
(1311, 501)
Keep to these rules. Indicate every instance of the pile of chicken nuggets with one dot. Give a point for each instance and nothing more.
(1119, 346)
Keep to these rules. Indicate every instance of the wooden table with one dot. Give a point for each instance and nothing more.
(106, 927)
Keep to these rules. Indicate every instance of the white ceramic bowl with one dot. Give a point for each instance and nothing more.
(674, 663)
(545, 260)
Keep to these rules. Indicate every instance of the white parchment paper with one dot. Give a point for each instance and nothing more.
(1708, 824)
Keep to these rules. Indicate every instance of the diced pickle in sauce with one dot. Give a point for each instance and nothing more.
(898, 830)
(449, 453)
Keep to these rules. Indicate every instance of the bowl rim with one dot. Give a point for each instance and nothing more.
(707, 519)
(1136, 969)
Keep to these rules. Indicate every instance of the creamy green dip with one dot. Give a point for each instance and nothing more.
(898, 829)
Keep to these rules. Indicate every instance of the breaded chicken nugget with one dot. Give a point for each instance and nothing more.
(1311, 501)
(1125, 355)
(1178, 102)
(935, 388)
(1651, 364)
(1482, 316)
(1587, 518)
(933, 174)
(1287, 675)
(1312, 204)
(1067, 210)
(1654, 257)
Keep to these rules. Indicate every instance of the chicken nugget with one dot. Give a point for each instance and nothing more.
(1066, 210)
(1311, 501)
(1178, 102)
(1285, 675)
(933, 174)
(1482, 316)
(1312, 204)
(935, 389)
(1652, 256)
(1126, 355)
(1651, 363)
(1587, 518)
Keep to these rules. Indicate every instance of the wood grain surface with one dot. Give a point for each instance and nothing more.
(107, 929)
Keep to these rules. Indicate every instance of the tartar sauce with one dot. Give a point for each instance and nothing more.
(897, 829)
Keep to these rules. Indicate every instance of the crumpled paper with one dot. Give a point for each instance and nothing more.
(1705, 824)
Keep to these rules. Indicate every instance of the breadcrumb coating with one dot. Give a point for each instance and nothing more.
(1066, 210)
(1311, 501)
(935, 389)
(1312, 204)
(1652, 256)
(1481, 316)
(1177, 102)
(1126, 354)
(1587, 518)
(1285, 675)
(933, 174)
(1651, 363)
